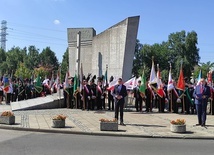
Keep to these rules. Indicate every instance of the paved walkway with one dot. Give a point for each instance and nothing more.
(138, 124)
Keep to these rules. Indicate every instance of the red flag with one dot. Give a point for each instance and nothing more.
(181, 82)
(160, 90)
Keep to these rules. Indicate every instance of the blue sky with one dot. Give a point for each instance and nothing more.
(44, 22)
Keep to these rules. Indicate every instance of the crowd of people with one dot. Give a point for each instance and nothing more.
(19, 90)
(93, 96)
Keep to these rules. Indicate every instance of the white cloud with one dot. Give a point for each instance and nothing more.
(56, 22)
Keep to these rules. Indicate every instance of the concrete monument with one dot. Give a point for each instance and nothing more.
(114, 48)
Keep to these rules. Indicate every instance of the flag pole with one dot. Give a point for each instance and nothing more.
(58, 87)
(170, 68)
(183, 92)
(171, 100)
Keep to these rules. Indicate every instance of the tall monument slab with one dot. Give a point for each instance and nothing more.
(114, 48)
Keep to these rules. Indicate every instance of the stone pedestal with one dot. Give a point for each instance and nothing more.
(108, 126)
(58, 123)
(7, 120)
(177, 128)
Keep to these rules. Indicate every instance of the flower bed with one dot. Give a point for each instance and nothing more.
(108, 125)
(178, 126)
(7, 117)
(58, 121)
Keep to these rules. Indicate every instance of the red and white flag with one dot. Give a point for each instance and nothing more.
(112, 84)
(130, 83)
(170, 85)
(159, 90)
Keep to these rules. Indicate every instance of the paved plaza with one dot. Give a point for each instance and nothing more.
(138, 124)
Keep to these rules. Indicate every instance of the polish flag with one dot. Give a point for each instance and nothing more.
(130, 83)
(112, 84)
(160, 90)
(170, 85)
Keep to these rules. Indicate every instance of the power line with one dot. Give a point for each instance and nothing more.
(29, 34)
(35, 27)
(38, 41)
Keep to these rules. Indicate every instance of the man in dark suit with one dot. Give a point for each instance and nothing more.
(201, 95)
(119, 93)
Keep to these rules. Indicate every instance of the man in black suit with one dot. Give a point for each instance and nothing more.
(119, 93)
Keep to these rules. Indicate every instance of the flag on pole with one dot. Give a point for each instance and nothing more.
(159, 90)
(51, 81)
(181, 82)
(76, 83)
(130, 83)
(106, 78)
(38, 86)
(81, 77)
(209, 78)
(143, 85)
(66, 82)
(199, 77)
(170, 85)
(153, 78)
(56, 82)
(112, 84)
(6, 84)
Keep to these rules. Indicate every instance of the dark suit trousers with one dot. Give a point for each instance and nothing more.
(110, 102)
(138, 102)
(201, 112)
(119, 105)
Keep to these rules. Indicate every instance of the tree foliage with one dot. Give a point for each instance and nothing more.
(64, 65)
(23, 72)
(180, 47)
(27, 61)
(32, 59)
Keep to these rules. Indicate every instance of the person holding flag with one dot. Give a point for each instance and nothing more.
(152, 86)
(138, 97)
(110, 97)
(86, 95)
(8, 89)
(160, 92)
(181, 88)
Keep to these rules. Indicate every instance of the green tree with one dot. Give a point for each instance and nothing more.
(64, 65)
(138, 61)
(205, 68)
(3, 68)
(183, 47)
(22, 71)
(49, 60)
(32, 59)
(13, 57)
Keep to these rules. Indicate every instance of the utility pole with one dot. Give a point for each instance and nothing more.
(3, 34)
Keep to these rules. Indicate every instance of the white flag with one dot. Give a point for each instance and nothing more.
(170, 85)
(153, 78)
(130, 83)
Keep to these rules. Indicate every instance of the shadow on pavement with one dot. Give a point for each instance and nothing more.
(147, 125)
